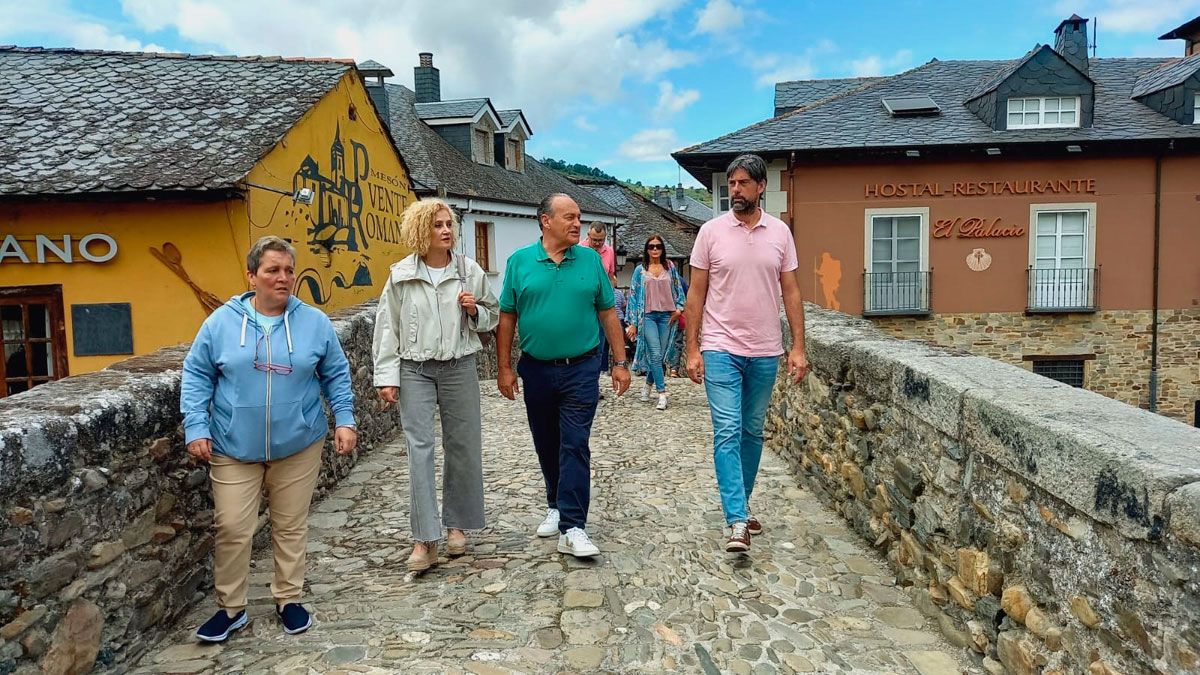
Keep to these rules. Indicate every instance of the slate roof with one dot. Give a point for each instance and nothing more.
(466, 107)
(857, 120)
(370, 66)
(435, 164)
(804, 92)
(687, 208)
(75, 121)
(646, 218)
(1166, 76)
(508, 117)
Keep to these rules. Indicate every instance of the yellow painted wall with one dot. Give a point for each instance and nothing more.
(360, 192)
(356, 211)
(164, 310)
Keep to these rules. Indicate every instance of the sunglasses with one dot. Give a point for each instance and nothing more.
(278, 369)
(654, 246)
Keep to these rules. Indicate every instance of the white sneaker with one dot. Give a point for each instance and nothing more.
(662, 402)
(575, 542)
(645, 397)
(549, 526)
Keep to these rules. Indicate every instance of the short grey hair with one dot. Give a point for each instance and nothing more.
(546, 208)
(599, 228)
(752, 164)
(267, 243)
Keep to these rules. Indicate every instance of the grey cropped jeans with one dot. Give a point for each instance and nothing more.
(453, 387)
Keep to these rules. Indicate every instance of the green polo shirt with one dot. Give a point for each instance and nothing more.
(556, 303)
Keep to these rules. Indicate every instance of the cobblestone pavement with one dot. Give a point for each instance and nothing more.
(662, 596)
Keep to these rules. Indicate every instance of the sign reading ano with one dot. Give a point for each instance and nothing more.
(42, 249)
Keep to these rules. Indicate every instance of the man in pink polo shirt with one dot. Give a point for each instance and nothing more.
(596, 238)
(741, 263)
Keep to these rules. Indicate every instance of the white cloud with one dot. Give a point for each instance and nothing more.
(1130, 16)
(874, 65)
(772, 68)
(67, 27)
(671, 102)
(539, 55)
(581, 122)
(718, 17)
(650, 145)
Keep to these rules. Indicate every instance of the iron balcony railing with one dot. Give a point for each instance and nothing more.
(1064, 289)
(896, 293)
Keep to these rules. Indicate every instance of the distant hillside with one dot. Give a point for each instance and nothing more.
(574, 171)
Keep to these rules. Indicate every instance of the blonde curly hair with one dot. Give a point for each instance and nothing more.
(416, 225)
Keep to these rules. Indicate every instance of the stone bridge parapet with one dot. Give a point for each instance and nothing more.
(1045, 528)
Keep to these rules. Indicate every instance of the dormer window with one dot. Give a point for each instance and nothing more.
(1043, 112)
(514, 154)
(484, 153)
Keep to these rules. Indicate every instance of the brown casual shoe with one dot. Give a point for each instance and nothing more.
(456, 542)
(739, 541)
(753, 526)
(421, 561)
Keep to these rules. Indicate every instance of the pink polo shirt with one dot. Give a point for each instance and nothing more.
(609, 257)
(741, 311)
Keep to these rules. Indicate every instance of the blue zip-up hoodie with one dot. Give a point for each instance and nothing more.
(252, 415)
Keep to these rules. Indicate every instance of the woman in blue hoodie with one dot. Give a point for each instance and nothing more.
(251, 402)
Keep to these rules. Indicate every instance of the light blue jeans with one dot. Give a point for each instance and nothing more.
(657, 327)
(739, 390)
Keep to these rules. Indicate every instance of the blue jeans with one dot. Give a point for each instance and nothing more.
(657, 328)
(739, 390)
(560, 402)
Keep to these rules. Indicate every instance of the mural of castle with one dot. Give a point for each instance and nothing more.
(336, 227)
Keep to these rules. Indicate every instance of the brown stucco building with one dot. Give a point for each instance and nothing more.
(1043, 211)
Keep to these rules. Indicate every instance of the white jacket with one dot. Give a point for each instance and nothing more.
(415, 322)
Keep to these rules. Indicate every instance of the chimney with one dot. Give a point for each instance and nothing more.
(427, 81)
(679, 194)
(373, 74)
(662, 198)
(1071, 42)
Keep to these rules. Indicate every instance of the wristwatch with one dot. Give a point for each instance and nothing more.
(621, 364)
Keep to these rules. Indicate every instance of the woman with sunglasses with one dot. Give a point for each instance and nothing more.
(656, 300)
(432, 309)
(251, 402)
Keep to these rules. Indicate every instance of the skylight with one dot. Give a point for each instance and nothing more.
(908, 106)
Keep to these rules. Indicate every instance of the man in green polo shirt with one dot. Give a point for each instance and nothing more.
(555, 291)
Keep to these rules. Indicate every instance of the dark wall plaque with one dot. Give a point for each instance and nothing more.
(102, 329)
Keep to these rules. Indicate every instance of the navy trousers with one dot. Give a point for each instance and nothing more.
(560, 402)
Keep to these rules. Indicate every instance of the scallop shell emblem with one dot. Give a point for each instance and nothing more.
(979, 260)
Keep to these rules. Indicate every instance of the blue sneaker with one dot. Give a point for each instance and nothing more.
(221, 626)
(294, 617)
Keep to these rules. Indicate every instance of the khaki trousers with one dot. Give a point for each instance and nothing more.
(237, 489)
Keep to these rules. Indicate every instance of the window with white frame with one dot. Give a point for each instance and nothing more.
(1042, 112)
(1196, 107)
(897, 255)
(1062, 274)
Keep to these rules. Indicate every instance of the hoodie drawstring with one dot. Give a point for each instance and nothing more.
(245, 320)
(287, 329)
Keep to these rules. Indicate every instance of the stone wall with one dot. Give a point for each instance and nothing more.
(105, 522)
(1119, 341)
(1044, 528)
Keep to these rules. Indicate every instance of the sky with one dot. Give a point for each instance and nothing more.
(610, 83)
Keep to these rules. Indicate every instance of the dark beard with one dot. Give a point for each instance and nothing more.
(742, 206)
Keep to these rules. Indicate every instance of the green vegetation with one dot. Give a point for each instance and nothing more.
(575, 171)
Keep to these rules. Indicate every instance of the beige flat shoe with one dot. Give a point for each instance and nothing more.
(456, 542)
(419, 562)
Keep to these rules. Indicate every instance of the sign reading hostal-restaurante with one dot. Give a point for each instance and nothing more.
(980, 188)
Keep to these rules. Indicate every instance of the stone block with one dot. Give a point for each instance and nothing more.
(22, 623)
(1017, 653)
(1183, 505)
(1016, 602)
(1082, 609)
(105, 552)
(140, 531)
(76, 640)
(973, 569)
(51, 574)
(961, 595)
(1112, 462)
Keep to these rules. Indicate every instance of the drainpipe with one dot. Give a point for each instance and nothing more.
(1154, 306)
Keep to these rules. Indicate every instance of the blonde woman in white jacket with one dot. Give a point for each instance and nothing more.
(432, 310)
